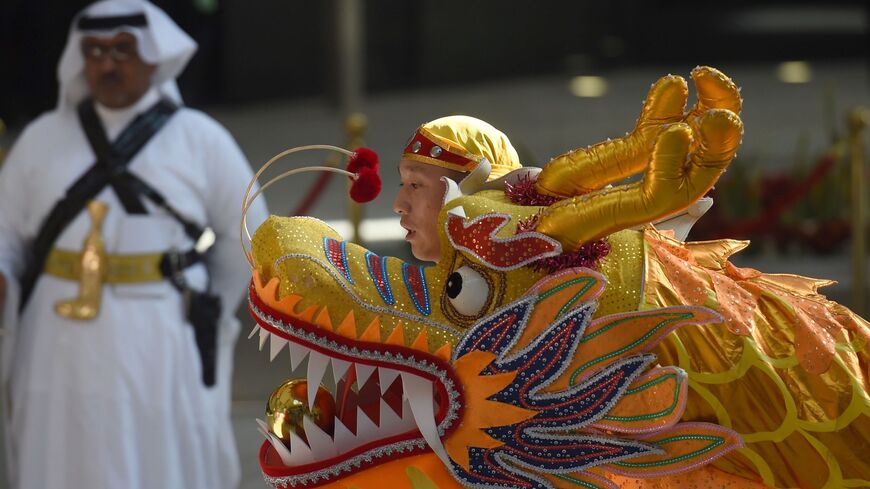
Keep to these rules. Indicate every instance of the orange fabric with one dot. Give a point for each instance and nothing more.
(480, 412)
(703, 478)
(394, 475)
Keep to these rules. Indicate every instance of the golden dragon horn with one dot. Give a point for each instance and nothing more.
(672, 182)
(585, 170)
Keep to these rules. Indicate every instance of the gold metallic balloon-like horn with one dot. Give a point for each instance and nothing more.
(586, 170)
(715, 91)
(672, 182)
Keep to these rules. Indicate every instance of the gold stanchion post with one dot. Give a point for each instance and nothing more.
(355, 126)
(857, 124)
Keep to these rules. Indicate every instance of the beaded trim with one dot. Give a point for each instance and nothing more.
(415, 282)
(522, 457)
(715, 442)
(365, 305)
(323, 475)
(336, 253)
(477, 237)
(378, 272)
(677, 375)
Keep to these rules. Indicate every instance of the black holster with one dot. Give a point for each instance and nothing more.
(203, 313)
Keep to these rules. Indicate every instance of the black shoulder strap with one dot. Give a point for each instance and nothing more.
(112, 161)
(115, 157)
(138, 186)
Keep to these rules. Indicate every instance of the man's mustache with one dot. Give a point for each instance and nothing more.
(111, 78)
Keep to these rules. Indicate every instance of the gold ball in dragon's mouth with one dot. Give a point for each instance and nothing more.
(288, 404)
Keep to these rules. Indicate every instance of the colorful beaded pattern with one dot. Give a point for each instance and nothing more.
(336, 253)
(415, 282)
(378, 272)
(478, 238)
(564, 435)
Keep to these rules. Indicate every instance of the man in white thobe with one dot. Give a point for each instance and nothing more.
(119, 401)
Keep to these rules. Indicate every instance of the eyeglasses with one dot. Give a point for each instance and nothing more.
(118, 52)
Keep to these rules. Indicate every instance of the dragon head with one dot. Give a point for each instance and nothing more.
(520, 384)
(533, 392)
(485, 370)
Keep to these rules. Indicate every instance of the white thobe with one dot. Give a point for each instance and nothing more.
(118, 401)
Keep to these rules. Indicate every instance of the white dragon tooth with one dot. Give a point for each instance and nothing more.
(386, 376)
(339, 368)
(391, 423)
(363, 372)
(300, 454)
(419, 393)
(285, 454)
(264, 335)
(317, 364)
(262, 427)
(389, 419)
(366, 429)
(297, 354)
(320, 442)
(276, 344)
(345, 441)
(254, 331)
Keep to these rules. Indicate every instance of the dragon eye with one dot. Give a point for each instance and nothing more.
(467, 290)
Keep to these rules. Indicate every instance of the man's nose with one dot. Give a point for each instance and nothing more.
(400, 206)
(106, 64)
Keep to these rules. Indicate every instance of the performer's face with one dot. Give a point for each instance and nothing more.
(418, 202)
(116, 75)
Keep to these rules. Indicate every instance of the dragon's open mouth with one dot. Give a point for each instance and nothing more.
(391, 400)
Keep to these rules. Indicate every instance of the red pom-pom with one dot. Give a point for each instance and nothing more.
(367, 186)
(362, 158)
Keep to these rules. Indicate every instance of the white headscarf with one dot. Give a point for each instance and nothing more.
(161, 42)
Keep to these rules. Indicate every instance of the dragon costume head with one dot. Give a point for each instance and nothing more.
(496, 367)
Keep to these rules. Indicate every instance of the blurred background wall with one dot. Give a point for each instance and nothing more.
(268, 49)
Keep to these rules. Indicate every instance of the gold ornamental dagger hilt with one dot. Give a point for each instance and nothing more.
(93, 270)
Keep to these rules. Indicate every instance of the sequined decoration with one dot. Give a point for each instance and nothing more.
(415, 281)
(478, 237)
(377, 267)
(336, 253)
(624, 268)
(561, 435)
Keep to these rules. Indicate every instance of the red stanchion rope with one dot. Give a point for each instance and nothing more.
(365, 186)
(313, 194)
(795, 194)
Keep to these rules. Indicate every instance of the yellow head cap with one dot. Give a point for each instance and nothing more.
(459, 143)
